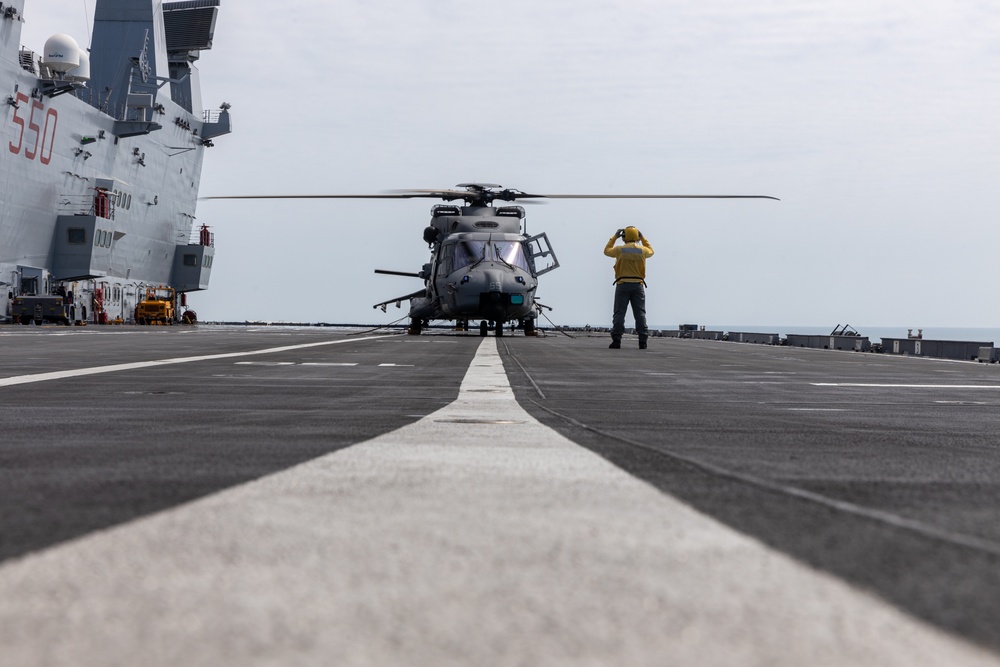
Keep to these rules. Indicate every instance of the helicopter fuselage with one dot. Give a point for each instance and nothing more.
(481, 275)
(482, 267)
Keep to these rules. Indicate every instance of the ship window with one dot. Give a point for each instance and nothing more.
(190, 260)
(511, 252)
(76, 235)
(208, 262)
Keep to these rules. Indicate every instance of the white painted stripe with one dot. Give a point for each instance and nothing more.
(114, 368)
(447, 542)
(992, 387)
(323, 363)
(264, 363)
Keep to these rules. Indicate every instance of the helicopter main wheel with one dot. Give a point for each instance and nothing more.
(529, 328)
(414, 328)
(484, 328)
(499, 329)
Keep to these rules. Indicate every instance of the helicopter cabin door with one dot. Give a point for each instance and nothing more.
(538, 246)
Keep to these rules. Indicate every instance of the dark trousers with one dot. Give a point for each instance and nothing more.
(625, 294)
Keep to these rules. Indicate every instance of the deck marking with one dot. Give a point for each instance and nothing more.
(97, 370)
(328, 363)
(265, 363)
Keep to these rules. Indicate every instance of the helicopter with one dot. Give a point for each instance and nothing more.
(483, 266)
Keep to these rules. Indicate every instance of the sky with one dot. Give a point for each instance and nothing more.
(876, 122)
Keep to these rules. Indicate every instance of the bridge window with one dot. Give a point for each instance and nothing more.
(190, 260)
(76, 235)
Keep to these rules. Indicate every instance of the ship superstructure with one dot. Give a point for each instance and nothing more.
(104, 149)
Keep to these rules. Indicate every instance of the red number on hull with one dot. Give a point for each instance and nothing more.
(44, 157)
(32, 125)
(21, 97)
(42, 134)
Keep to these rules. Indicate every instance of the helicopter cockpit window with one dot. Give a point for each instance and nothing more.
(511, 252)
(468, 253)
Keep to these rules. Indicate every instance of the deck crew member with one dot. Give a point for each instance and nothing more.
(630, 282)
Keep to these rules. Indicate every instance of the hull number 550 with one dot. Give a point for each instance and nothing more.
(41, 138)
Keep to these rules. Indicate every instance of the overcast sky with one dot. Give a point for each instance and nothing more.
(876, 123)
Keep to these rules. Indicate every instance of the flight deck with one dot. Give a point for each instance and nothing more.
(268, 495)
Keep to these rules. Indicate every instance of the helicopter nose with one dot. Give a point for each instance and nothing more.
(495, 281)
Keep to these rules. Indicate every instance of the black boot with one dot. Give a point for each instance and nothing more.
(615, 345)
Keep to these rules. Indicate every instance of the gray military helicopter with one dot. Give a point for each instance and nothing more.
(483, 266)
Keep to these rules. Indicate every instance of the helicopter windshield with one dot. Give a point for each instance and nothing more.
(511, 252)
(469, 252)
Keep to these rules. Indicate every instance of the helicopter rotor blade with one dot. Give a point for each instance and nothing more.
(381, 196)
(651, 196)
(472, 195)
(438, 194)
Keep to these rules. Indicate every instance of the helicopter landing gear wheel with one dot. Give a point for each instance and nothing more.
(414, 328)
(529, 328)
(484, 328)
(499, 329)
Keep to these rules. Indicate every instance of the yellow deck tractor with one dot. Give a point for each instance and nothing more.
(157, 307)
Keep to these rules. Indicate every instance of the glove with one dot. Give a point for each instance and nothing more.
(620, 234)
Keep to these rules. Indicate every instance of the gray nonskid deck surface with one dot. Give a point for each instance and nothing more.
(881, 470)
(80, 453)
(461, 530)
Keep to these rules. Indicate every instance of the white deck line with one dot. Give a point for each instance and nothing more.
(446, 542)
(114, 368)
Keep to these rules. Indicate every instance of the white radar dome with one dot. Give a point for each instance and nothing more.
(81, 73)
(61, 54)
